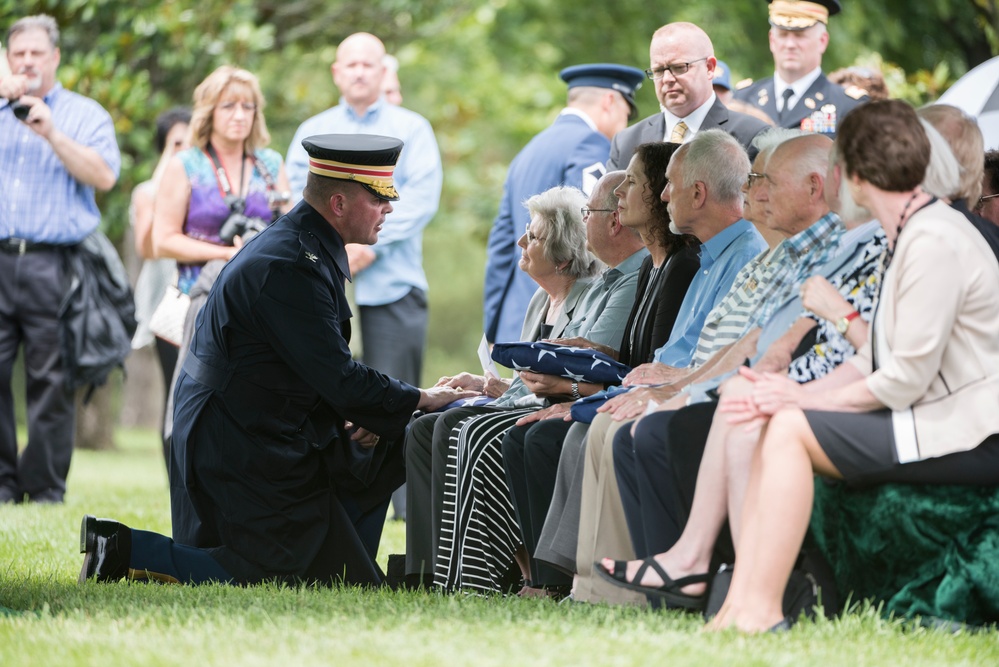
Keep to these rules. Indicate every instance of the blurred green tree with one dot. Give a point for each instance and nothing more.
(484, 73)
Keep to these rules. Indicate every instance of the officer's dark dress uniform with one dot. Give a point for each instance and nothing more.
(265, 482)
(261, 453)
(824, 105)
(821, 109)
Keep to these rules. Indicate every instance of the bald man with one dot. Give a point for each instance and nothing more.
(390, 286)
(388, 277)
(682, 67)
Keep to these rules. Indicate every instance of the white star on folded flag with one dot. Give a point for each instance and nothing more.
(577, 363)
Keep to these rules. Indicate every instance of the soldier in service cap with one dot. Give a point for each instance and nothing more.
(799, 95)
(290, 449)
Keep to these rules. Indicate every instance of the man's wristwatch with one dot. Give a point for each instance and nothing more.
(575, 390)
(843, 323)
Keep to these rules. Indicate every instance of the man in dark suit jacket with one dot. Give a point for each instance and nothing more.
(571, 151)
(799, 95)
(286, 451)
(683, 67)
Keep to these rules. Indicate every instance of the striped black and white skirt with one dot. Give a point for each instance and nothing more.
(479, 529)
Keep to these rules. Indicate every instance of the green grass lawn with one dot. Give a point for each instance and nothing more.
(50, 620)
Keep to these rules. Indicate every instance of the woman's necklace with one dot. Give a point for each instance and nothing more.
(890, 252)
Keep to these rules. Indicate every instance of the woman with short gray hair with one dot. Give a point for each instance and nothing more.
(558, 211)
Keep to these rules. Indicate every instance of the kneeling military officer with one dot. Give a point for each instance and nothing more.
(286, 450)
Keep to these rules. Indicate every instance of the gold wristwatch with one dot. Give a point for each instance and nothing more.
(843, 323)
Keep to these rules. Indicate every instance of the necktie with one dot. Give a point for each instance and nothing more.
(787, 95)
(679, 132)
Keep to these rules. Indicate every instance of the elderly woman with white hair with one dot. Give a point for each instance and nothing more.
(479, 534)
(570, 301)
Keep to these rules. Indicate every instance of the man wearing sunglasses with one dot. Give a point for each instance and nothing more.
(682, 69)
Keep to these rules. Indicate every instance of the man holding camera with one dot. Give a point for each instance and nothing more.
(56, 147)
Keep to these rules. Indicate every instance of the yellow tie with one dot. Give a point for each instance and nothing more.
(679, 132)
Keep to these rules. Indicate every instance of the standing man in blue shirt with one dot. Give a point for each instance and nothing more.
(388, 277)
(572, 151)
(56, 147)
(390, 286)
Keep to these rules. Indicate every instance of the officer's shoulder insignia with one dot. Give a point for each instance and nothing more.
(745, 83)
(856, 92)
(312, 257)
(591, 175)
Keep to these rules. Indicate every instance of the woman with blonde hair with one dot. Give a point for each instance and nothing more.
(227, 186)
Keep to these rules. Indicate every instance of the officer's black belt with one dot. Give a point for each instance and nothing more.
(213, 378)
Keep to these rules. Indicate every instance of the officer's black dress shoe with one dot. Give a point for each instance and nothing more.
(108, 547)
(47, 497)
(10, 496)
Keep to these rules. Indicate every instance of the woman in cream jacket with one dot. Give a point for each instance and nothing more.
(919, 403)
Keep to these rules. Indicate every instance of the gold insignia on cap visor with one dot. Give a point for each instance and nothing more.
(797, 15)
(377, 178)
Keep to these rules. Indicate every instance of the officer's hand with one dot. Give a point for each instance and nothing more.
(364, 437)
(437, 397)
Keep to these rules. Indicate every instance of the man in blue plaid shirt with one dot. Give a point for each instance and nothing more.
(56, 147)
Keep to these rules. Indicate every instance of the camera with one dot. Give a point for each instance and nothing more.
(20, 109)
(238, 224)
(276, 199)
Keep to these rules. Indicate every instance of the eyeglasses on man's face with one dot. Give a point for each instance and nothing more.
(676, 69)
(586, 210)
(757, 178)
(983, 199)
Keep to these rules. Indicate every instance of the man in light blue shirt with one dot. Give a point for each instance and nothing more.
(56, 148)
(390, 286)
(706, 201)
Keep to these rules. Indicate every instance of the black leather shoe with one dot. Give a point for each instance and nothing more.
(11, 496)
(108, 547)
(47, 497)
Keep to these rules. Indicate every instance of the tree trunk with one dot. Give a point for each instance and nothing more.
(95, 420)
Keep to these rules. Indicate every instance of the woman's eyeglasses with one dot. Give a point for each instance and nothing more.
(229, 107)
(531, 237)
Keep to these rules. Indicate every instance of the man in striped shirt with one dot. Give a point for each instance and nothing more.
(790, 194)
(56, 148)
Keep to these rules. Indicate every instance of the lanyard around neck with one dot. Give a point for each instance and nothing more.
(220, 174)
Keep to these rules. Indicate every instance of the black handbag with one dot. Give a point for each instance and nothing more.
(810, 587)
